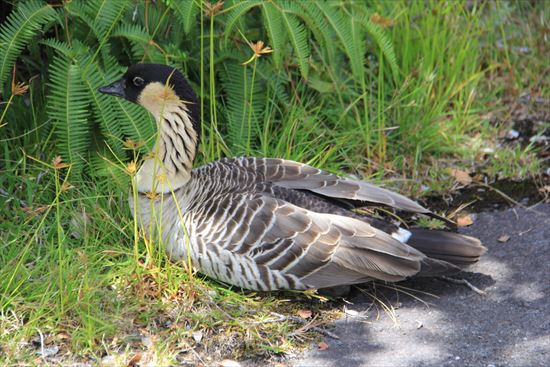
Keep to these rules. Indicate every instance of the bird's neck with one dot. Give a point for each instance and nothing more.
(168, 166)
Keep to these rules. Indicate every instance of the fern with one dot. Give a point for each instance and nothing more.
(298, 35)
(186, 12)
(105, 14)
(275, 30)
(60, 46)
(384, 42)
(22, 25)
(135, 122)
(316, 23)
(236, 12)
(102, 105)
(68, 108)
(242, 111)
(132, 32)
(342, 26)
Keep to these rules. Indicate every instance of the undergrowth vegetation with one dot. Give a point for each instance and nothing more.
(396, 91)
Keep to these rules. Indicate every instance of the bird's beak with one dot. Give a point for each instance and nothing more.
(114, 89)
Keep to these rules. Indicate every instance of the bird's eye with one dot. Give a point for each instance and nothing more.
(138, 82)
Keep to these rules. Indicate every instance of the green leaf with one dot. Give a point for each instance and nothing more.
(342, 25)
(275, 30)
(22, 25)
(105, 15)
(186, 12)
(384, 42)
(68, 108)
(132, 32)
(102, 105)
(235, 13)
(244, 105)
(298, 35)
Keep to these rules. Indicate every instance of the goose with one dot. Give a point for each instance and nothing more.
(269, 224)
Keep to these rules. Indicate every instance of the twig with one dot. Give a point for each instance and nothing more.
(307, 325)
(464, 282)
(510, 199)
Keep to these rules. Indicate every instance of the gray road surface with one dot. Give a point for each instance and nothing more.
(510, 326)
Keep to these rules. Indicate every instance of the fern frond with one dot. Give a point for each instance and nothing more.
(60, 46)
(105, 14)
(384, 42)
(102, 105)
(359, 47)
(316, 23)
(298, 35)
(186, 12)
(22, 24)
(132, 32)
(236, 12)
(104, 165)
(68, 109)
(275, 31)
(342, 26)
(242, 111)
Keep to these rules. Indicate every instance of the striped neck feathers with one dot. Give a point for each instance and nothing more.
(168, 166)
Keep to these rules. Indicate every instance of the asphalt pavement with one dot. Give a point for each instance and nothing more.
(509, 326)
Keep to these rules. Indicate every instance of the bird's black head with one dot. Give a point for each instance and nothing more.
(143, 81)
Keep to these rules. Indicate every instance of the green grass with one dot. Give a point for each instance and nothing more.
(75, 270)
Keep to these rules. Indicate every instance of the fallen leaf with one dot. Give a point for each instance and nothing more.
(503, 238)
(132, 362)
(304, 314)
(545, 189)
(229, 363)
(461, 177)
(323, 346)
(465, 221)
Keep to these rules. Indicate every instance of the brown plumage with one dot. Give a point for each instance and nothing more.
(268, 223)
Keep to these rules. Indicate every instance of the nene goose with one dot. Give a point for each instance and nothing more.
(268, 223)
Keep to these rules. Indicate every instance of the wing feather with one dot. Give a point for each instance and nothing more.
(294, 175)
(314, 247)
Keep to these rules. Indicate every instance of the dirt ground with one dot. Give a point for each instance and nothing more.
(509, 326)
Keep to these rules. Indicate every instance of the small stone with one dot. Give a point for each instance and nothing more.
(512, 134)
(50, 351)
(197, 336)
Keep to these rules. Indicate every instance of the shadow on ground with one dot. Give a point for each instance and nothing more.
(510, 326)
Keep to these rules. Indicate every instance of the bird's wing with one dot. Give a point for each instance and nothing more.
(320, 250)
(294, 175)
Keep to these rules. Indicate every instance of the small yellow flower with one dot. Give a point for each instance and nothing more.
(212, 9)
(161, 178)
(66, 186)
(152, 195)
(150, 155)
(19, 89)
(259, 50)
(131, 168)
(381, 21)
(57, 163)
(132, 144)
